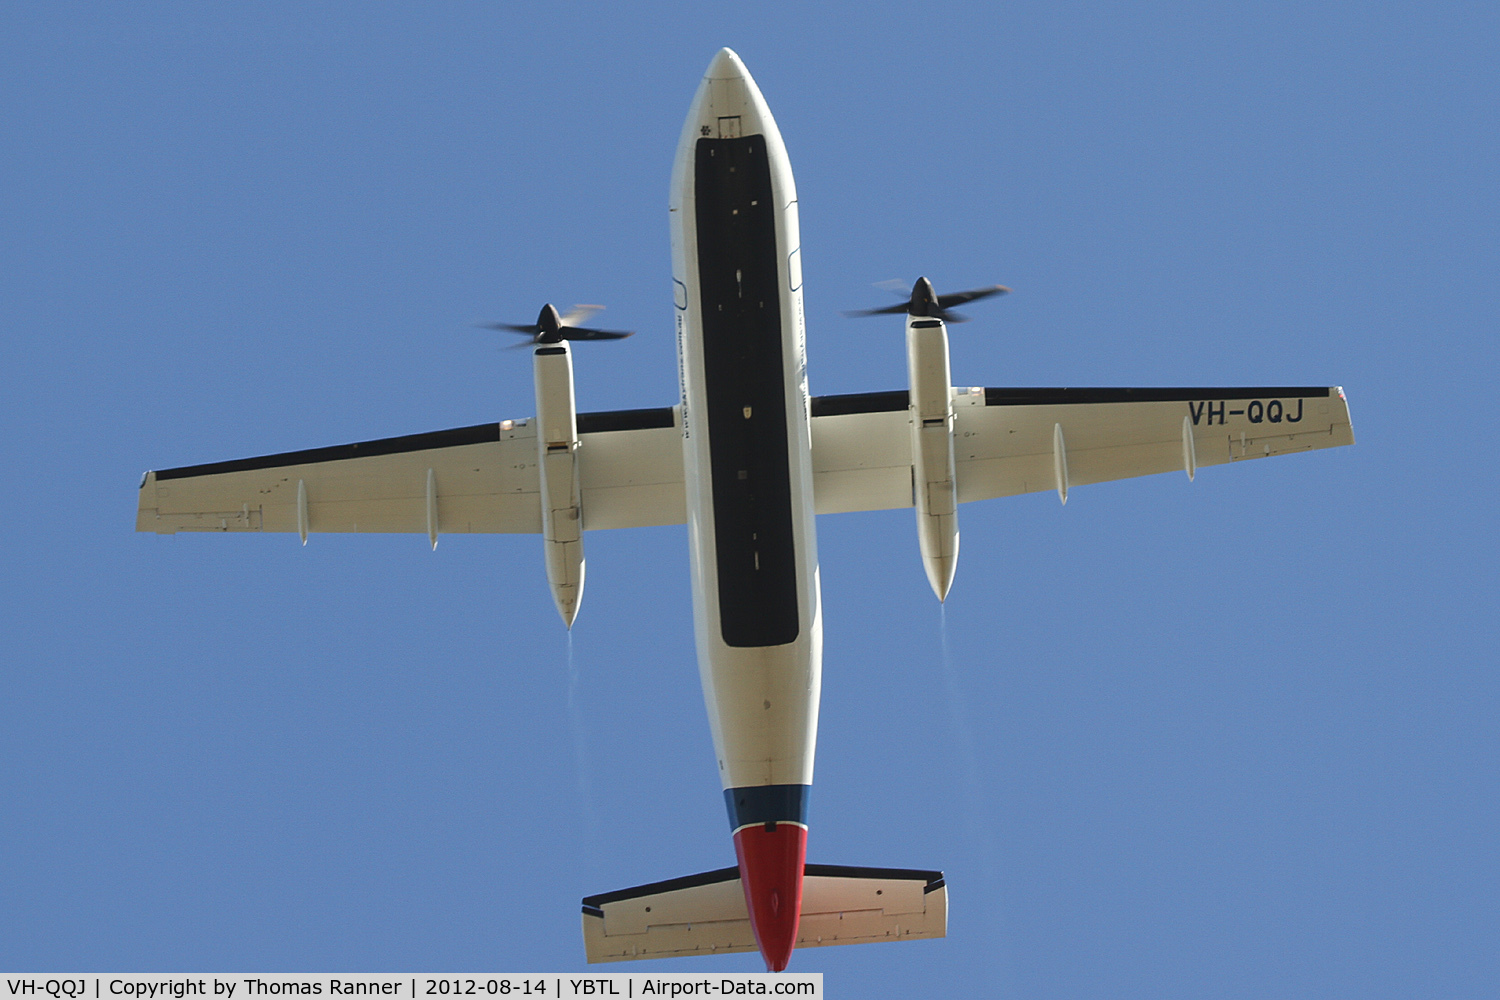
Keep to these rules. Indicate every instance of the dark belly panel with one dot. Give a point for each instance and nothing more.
(742, 362)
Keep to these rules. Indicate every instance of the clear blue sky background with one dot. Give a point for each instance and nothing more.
(1230, 738)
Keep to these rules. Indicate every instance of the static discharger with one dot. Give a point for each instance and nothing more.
(432, 517)
(1189, 449)
(302, 510)
(1060, 462)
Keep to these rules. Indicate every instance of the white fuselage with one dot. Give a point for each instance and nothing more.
(747, 443)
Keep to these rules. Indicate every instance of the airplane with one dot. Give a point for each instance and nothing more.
(748, 460)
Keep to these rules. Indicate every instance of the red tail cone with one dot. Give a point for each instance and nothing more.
(771, 861)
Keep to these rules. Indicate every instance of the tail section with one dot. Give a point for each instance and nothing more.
(772, 857)
(769, 823)
(707, 914)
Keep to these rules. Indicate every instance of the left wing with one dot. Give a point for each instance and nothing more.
(472, 479)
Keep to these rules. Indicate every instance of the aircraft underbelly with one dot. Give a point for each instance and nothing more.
(747, 457)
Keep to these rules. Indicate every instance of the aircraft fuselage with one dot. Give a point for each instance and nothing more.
(747, 454)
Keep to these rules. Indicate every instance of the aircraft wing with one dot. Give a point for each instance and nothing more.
(483, 479)
(1006, 441)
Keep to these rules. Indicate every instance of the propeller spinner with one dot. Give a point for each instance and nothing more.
(926, 302)
(551, 328)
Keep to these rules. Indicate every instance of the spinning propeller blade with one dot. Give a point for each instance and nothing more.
(926, 302)
(550, 328)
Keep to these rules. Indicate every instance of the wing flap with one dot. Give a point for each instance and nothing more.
(706, 914)
(862, 460)
(632, 476)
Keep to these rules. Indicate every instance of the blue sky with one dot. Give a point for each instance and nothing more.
(1229, 738)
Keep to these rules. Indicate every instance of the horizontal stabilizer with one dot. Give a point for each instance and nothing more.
(706, 914)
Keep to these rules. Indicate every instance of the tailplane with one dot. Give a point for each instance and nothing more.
(706, 914)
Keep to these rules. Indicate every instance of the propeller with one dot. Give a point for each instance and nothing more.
(926, 302)
(550, 328)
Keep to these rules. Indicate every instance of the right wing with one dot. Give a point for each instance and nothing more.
(484, 479)
(1004, 439)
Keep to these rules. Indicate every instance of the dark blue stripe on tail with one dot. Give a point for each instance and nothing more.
(766, 804)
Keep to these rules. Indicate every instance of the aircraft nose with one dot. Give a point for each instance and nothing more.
(729, 104)
(727, 66)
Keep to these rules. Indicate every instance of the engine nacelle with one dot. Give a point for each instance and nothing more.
(557, 466)
(934, 490)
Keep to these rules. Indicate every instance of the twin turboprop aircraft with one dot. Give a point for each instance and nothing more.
(747, 459)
